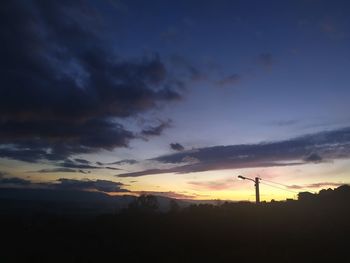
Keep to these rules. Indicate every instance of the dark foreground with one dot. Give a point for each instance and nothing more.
(313, 229)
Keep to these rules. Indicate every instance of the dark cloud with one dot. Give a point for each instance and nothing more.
(82, 161)
(71, 164)
(314, 157)
(99, 185)
(177, 146)
(57, 170)
(84, 172)
(147, 172)
(121, 162)
(55, 139)
(156, 130)
(112, 168)
(201, 167)
(62, 87)
(230, 80)
(329, 144)
(126, 161)
(67, 184)
(28, 155)
(8, 181)
(169, 194)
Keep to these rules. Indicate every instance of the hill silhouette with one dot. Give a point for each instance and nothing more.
(313, 228)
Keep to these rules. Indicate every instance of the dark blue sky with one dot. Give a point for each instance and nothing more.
(88, 84)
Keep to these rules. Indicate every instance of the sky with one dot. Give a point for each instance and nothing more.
(175, 98)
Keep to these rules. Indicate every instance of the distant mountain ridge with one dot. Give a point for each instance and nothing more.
(70, 201)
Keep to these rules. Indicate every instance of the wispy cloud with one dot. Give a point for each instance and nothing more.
(74, 166)
(311, 148)
(169, 194)
(230, 80)
(281, 123)
(56, 170)
(213, 185)
(156, 130)
(315, 185)
(121, 162)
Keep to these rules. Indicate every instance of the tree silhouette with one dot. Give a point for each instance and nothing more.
(144, 203)
(174, 206)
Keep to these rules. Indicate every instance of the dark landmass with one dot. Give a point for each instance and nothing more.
(29, 202)
(313, 228)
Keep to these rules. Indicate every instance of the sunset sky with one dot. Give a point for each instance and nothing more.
(175, 98)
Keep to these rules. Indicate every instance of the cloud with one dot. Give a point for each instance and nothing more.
(126, 161)
(86, 184)
(62, 87)
(213, 185)
(177, 146)
(314, 157)
(300, 150)
(56, 170)
(28, 155)
(121, 162)
(169, 194)
(148, 172)
(283, 123)
(8, 181)
(230, 80)
(67, 184)
(112, 168)
(156, 130)
(82, 161)
(315, 185)
(84, 172)
(72, 164)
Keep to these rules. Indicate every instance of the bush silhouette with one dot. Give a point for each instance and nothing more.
(144, 203)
